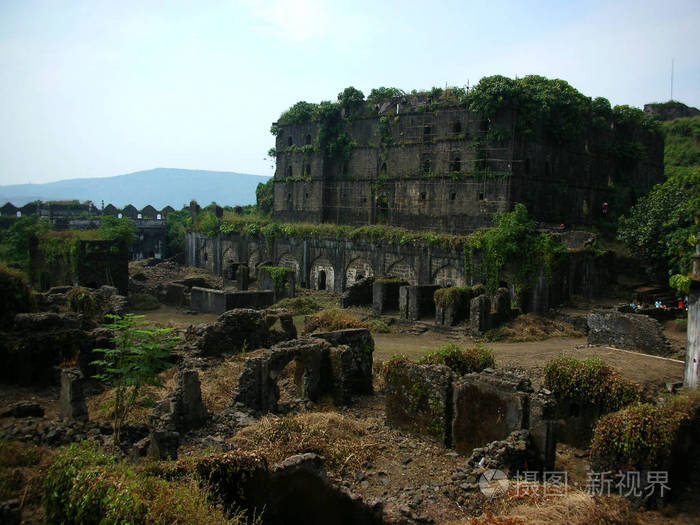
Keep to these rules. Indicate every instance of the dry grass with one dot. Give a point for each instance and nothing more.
(100, 406)
(219, 383)
(346, 443)
(530, 506)
(331, 320)
(531, 327)
(23, 468)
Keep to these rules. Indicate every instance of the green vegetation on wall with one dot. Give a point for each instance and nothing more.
(664, 225)
(590, 381)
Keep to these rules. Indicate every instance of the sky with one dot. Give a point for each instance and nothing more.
(99, 88)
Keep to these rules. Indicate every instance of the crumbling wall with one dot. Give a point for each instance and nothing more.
(416, 302)
(358, 294)
(242, 328)
(337, 363)
(385, 295)
(628, 331)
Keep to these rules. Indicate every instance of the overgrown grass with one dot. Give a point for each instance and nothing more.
(590, 381)
(345, 442)
(143, 301)
(301, 305)
(641, 436)
(82, 300)
(22, 471)
(85, 485)
(15, 295)
(330, 320)
(531, 327)
(460, 360)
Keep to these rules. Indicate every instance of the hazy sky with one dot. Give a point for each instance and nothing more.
(97, 88)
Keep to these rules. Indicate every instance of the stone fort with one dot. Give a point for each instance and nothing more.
(419, 163)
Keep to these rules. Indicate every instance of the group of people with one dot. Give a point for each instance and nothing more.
(682, 304)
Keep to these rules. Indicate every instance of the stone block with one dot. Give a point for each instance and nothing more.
(486, 409)
(385, 295)
(256, 299)
(72, 401)
(164, 444)
(416, 301)
(175, 294)
(207, 300)
(479, 310)
(419, 398)
(359, 294)
(242, 276)
(628, 331)
(193, 413)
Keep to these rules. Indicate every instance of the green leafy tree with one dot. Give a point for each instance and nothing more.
(15, 241)
(664, 225)
(141, 352)
(265, 196)
(121, 230)
(176, 225)
(384, 93)
(351, 99)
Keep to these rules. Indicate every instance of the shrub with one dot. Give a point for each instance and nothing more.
(455, 296)
(15, 295)
(460, 361)
(641, 436)
(82, 300)
(140, 354)
(377, 326)
(143, 301)
(302, 305)
(86, 486)
(590, 381)
(331, 320)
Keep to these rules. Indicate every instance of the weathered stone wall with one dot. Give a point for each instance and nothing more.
(419, 398)
(442, 170)
(487, 409)
(629, 331)
(337, 363)
(385, 295)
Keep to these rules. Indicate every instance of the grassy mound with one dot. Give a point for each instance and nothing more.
(590, 381)
(460, 360)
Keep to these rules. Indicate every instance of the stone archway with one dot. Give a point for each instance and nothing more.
(358, 269)
(322, 269)
(289, 261)
(402, 270)
(448, 275)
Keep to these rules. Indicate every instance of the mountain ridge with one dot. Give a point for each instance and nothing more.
(158, 187)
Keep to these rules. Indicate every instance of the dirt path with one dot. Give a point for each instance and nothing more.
(535, 355)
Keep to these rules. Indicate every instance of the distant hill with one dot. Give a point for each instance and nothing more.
(671, 110)
(159, 187)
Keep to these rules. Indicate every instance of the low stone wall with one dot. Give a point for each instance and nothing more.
(628, 331)
(208, 300)
(294, 491)
(419, 398)
(471, 411)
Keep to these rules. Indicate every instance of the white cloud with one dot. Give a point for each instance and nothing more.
(293, 20)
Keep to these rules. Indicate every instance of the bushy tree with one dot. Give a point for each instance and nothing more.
(117, 229)
(265, 196)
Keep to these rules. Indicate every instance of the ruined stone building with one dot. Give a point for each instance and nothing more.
(415, 162)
